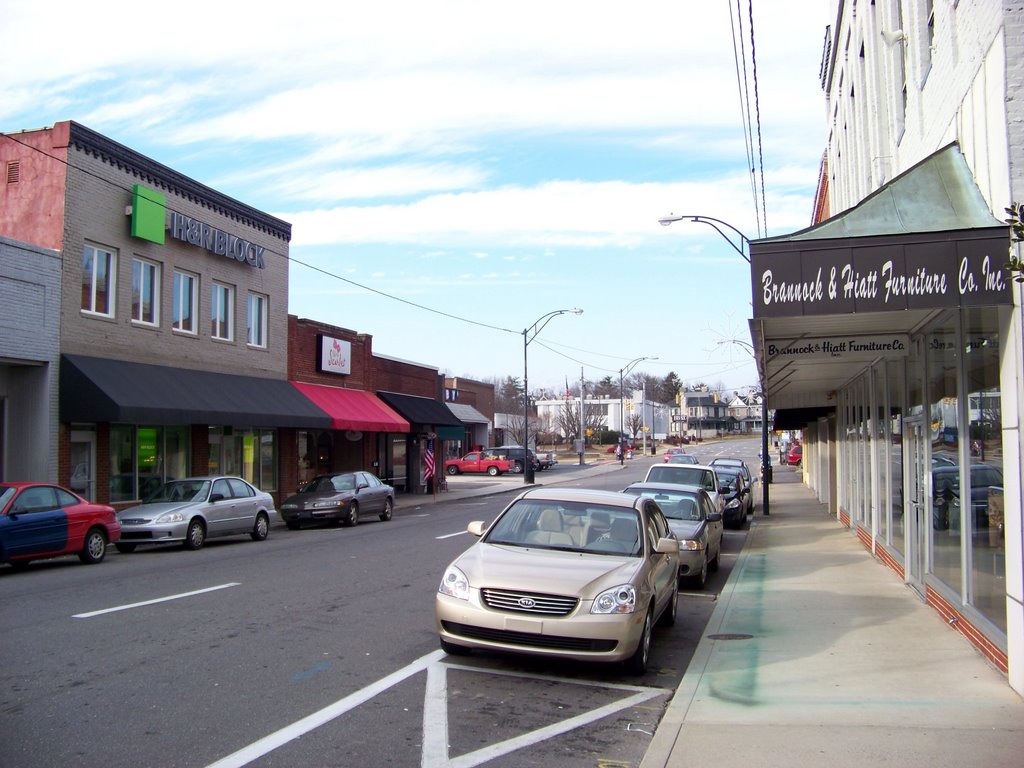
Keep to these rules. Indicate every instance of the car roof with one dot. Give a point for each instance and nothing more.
(583, 495)
(727, 462)
(663, 486)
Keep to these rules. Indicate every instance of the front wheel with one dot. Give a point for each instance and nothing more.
(389, 509)
(351, 515)
(95, 548)
(261, 527)
(452, 470)
(637, 663)
(195, 536)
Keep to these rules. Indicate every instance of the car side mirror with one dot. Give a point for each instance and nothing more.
(714, 517)
(216, 497)
(477, 527)
(362, 485)
(667, 546)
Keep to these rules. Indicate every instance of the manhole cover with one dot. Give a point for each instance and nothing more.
(730, 636)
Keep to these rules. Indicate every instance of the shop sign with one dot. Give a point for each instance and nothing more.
(839, 348)
(852, 277)
(335, 355)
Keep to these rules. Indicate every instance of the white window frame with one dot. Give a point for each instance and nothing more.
(222, 312)
(146, 277)
(178, 301)
(256, 320)
(110, 256)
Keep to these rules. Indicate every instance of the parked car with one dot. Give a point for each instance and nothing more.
(190, 511)
(795, 455)
(738, 496)
(697, 475)
(946, 493)
(724, 461)
(42, 520)
(566, 573)
(515, 454)
(547, 459)
(477, 462)
(672, 451)
(696, 524)
(681, 458)
(340, 497)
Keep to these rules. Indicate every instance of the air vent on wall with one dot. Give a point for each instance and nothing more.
(13, 171)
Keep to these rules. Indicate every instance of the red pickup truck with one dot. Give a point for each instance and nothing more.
(478, 461)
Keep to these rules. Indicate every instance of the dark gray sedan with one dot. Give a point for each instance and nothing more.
(341, 497)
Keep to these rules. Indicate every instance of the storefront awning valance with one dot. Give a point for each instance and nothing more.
(353, 408)
(421, 411)
(97, 390)
(798, 418)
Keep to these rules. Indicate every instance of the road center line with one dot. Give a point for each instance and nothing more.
(449, 535)
(152, 602)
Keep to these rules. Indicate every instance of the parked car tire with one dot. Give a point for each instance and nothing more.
(195, 536)
(261, 527)
(452, 470)
(700, 580)
(637, 663)
(668, 618)
(389, 510)
(351, 517)
(493, 471)
(95, 548)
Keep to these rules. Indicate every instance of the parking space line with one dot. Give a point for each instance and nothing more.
(90, 614)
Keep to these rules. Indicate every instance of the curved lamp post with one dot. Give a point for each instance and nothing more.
(529, 334)
(743, 249)
(624, 371)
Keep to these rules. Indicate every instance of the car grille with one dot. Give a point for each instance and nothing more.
(528, 639)
(528, 602)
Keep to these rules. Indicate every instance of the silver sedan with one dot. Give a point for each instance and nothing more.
(192, 510)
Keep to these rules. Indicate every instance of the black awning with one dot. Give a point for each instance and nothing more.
(94, 389)
(421, 410)
(798, 418)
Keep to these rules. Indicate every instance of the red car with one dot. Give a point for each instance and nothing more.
(41, 520)
(796, 454)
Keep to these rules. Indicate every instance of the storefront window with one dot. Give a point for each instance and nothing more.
(943, 362)
(247, 453)
(984, 413)
(143, 457)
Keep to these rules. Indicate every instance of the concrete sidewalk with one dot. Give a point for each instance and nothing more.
(817, 655)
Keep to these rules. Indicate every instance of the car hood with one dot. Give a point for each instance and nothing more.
(497, 566)
(686, 529)
(154, 509)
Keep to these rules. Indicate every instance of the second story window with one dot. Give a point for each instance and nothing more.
(145, 292)
(222, 312)
(99, 266)
(185, 302)
(257, 320)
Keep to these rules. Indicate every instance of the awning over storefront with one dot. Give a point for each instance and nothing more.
(467, 414)
(353, 408)
(831, 299)
(423, 412)
(96, 390)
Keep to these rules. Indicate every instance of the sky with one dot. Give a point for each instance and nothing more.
(454, 171)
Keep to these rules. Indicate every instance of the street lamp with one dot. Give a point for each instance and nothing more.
(624, 371)
(743, 249)
(536, 328)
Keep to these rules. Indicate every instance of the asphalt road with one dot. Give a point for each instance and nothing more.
(314, 648)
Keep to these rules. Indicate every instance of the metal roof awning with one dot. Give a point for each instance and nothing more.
(829, 300)
(467, 414)
(353, 408)
(98, 390)
(421, 411)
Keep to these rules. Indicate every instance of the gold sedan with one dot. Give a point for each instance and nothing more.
(568, 573)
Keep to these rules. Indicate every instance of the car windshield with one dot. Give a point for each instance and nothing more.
(675, 505)
(329, 484)
(727, 476)
(180, 490)
(568, 527)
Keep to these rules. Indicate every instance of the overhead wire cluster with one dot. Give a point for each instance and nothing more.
(746, 81)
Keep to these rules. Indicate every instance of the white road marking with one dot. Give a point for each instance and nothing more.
(153, 602)
(279, 738)
(449, 535)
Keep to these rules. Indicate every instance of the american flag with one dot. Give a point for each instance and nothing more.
(428, 461)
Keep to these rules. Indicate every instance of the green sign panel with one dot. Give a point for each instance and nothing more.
(148, 214)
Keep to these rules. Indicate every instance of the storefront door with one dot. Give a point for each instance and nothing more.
(83, 464)
(917, 508)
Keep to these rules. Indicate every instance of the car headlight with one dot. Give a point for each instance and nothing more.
(620, 599)
(289, 506)
(454, 583)
(734, 504)
(170, 517)
(693, 545)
